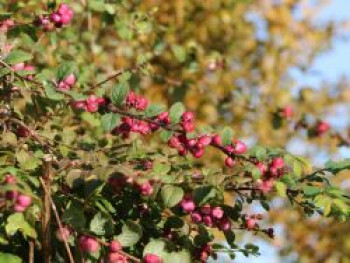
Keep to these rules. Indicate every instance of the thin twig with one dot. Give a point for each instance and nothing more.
(58, 220)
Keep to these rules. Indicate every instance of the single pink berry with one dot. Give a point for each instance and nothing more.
(206, 209)
(322, 127)
(197, 152)
(216, 140)
(92, 107)
(208, 221)
(146, 189)
(217, 212)
(224, 224)
(287, 112)
(187, 126)
(152, 258)
(63, 234)
(70, 79)
(265, 186)
(24, 200)
(56, 18)
(62, 86)
(187, 116)
(229, 162)
(116, 258)
(19, 208)
(277, 163)
(196, 217)
(262, 167)
(250, 223)
(174, 142)
(187, 205)
(239, 147)
(205, 140)
(88, 244)
(141, 103)
(10, 179)
(115, 246)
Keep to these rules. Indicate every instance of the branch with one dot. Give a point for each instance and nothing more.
(71, 259)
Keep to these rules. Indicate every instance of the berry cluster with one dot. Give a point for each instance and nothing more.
(91, 104)
(209, 216)
(204, 253)
(62, 16)
(114, 255)
(21, 201)
(135, 101)
(274, 170)
(23, 67)
(6, 24)
(129, 125)
(194, 145)
(67, 83)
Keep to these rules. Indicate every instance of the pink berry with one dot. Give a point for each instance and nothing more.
(79, 105)
(17, 67)
(187, 116)
(56, 18)
(216, 140)
(229, 162)
(62, 86)
(265, 186)
(277, 163)
(217, 212)
(70, 79)
(208, 221)
(63, 8)
(115, 246)
(206, 209)
(250, 223)
(88, 244)
(262, 167)
(146, 189)
(198, 152)
(152, 258)
(196, 217)
(187, 126)
(62, 234)
(224, 224)
(239, 147)
(187, 205)
(116, 258)
(19, 208)
(141, 103)
(322, 127)
(92, 107)
(174, 142)
(287, 112)
(10, 179)
(205, 140)
(24, 200)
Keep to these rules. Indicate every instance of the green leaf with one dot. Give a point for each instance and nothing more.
(179, 52)
(131, 234)
(226, 136)
(27, 161)
(171, 195)
(51, 92)
(9, 258)
(74, 216)
(17, 222)
(109, 121)
(259, 152)
(230, 238)
(182, 256)
(336, 167)
(64, 70)
(311, 191)
(165, 135)
(203, 194)
(154, 110)
(119, 93)
(161, 169)
(101, 225)
(281, 189)
(176, 112)
(156, 247)
(18, 56)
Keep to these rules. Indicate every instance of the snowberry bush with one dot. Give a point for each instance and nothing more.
(94, 171)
